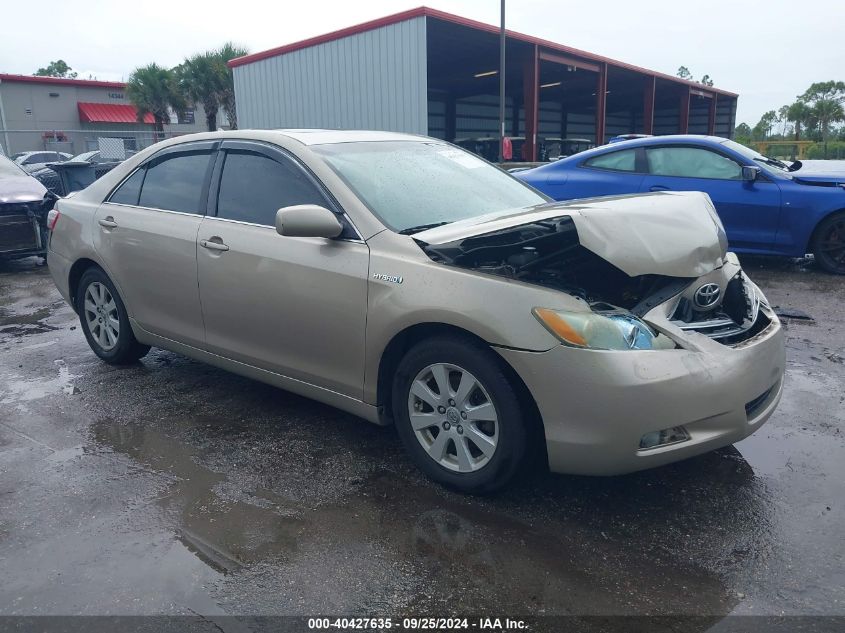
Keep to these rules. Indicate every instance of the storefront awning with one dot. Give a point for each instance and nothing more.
(110, 113)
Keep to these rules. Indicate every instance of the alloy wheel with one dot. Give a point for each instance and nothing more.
(101, 315)
(453, 417)
(832, 246)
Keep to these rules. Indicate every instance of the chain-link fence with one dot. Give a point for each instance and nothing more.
(104, 148)
(75, 142)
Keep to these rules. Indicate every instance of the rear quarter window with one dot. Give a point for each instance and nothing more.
(622, 160)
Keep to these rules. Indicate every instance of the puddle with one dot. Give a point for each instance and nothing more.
(223, 533)
(394, 543)
(17, 390)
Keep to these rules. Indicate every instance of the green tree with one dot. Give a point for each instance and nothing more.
(58, 68)
(763, 129)
(153, 90)
(228, 52)
(825, 99)
(798, 114)
(743, 134)
(783, 111)
(684, 73)
(706, 80)
(199, 80)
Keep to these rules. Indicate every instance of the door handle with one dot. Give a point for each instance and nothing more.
(107, 223)
(214, 244)
(658, 188)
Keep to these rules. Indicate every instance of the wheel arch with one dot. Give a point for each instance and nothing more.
(819, 222)
(410, 336)
(75, 275)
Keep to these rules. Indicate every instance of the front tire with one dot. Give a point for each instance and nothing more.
(458, 414)
(104, 320)
(829, 244)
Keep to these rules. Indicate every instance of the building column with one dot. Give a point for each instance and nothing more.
(531, 100)
(683, 114)
(451, 118)
(601, 103)
(648, 105)
(711, 116)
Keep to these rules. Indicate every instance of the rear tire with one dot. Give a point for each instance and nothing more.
(828, 245)
(104, 320)
(468, 428)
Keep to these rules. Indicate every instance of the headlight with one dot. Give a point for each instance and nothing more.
(596, 331)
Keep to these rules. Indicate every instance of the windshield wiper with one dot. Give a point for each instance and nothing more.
(421, 227)
(772, 161)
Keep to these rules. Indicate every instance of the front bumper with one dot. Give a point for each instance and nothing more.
(597, 405)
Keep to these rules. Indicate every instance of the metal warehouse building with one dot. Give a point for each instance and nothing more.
(428, 72)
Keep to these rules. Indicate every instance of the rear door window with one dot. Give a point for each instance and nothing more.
(176, 182)
(254, 186)
(691, 162)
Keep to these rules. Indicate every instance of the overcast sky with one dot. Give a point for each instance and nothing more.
(768, 52)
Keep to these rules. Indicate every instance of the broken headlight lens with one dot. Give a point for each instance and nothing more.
(596, 331)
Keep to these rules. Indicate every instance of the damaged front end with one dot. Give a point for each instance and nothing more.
(740, 312)
(623, 257)
(23, 227)
(548, 253)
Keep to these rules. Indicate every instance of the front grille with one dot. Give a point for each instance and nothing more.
(17, 233)
(738, 318)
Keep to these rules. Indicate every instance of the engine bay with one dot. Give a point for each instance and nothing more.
(548, 253)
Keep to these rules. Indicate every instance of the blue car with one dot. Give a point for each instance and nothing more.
(767, 207)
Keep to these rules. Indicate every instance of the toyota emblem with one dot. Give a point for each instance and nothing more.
(707, 295)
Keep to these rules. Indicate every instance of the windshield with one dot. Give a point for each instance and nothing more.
(411, 184)
(769, 164)
(8, 168)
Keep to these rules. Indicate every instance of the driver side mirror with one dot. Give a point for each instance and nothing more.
(307, 220)
(750, 173)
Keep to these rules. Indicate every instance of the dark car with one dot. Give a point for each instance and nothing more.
(24, 205)
(767, 206)
(102, 165)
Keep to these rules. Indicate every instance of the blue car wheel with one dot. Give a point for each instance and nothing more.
(829, 244)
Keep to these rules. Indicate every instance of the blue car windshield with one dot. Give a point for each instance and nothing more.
(771, 165)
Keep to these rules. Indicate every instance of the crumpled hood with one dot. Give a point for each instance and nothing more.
(21, 188)
(676, 234)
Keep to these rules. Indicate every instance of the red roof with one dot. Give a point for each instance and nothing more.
(110, 113)
(456, 19)
(91, 83)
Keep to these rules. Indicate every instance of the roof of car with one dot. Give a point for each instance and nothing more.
(652, 140)
(325, 137)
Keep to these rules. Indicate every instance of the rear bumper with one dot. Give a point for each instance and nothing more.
(60, 271)
(597, 405)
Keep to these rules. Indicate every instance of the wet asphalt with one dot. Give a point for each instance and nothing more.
(170, 487)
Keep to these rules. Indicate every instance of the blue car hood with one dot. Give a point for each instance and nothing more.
(819, 178)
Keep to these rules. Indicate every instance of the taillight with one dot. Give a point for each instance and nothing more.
(53, 217)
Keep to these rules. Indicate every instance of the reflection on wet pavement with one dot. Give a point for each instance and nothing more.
(173, 487)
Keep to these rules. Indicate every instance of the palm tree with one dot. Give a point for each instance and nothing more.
(827, 111)
(228, 52)
(153, 91)
(798, 113)
(199, 80)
